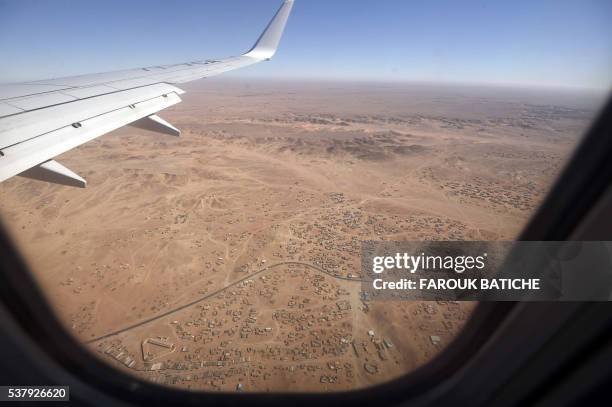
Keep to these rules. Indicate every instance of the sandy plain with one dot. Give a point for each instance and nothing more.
(229, 259)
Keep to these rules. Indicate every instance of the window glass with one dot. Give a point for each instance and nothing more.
(228, 259)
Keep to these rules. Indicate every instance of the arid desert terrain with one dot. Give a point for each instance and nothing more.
(229, 259)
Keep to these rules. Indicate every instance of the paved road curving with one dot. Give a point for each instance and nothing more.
(214, 293)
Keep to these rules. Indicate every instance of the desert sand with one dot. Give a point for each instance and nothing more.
(229, 259)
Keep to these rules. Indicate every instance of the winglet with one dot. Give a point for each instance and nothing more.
(267, 44)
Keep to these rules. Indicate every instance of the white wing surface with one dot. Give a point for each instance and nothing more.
(43, 119)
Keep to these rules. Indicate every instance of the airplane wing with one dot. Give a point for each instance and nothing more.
(43, 119)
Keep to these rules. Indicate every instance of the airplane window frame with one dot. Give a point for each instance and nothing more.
(31, 321)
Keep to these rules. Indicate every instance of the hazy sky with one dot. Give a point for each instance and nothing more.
(514, 42)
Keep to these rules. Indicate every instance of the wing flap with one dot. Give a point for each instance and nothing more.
(36, 102)
(27, 154)
(15, 90)
(90, 91)
(24, 126)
